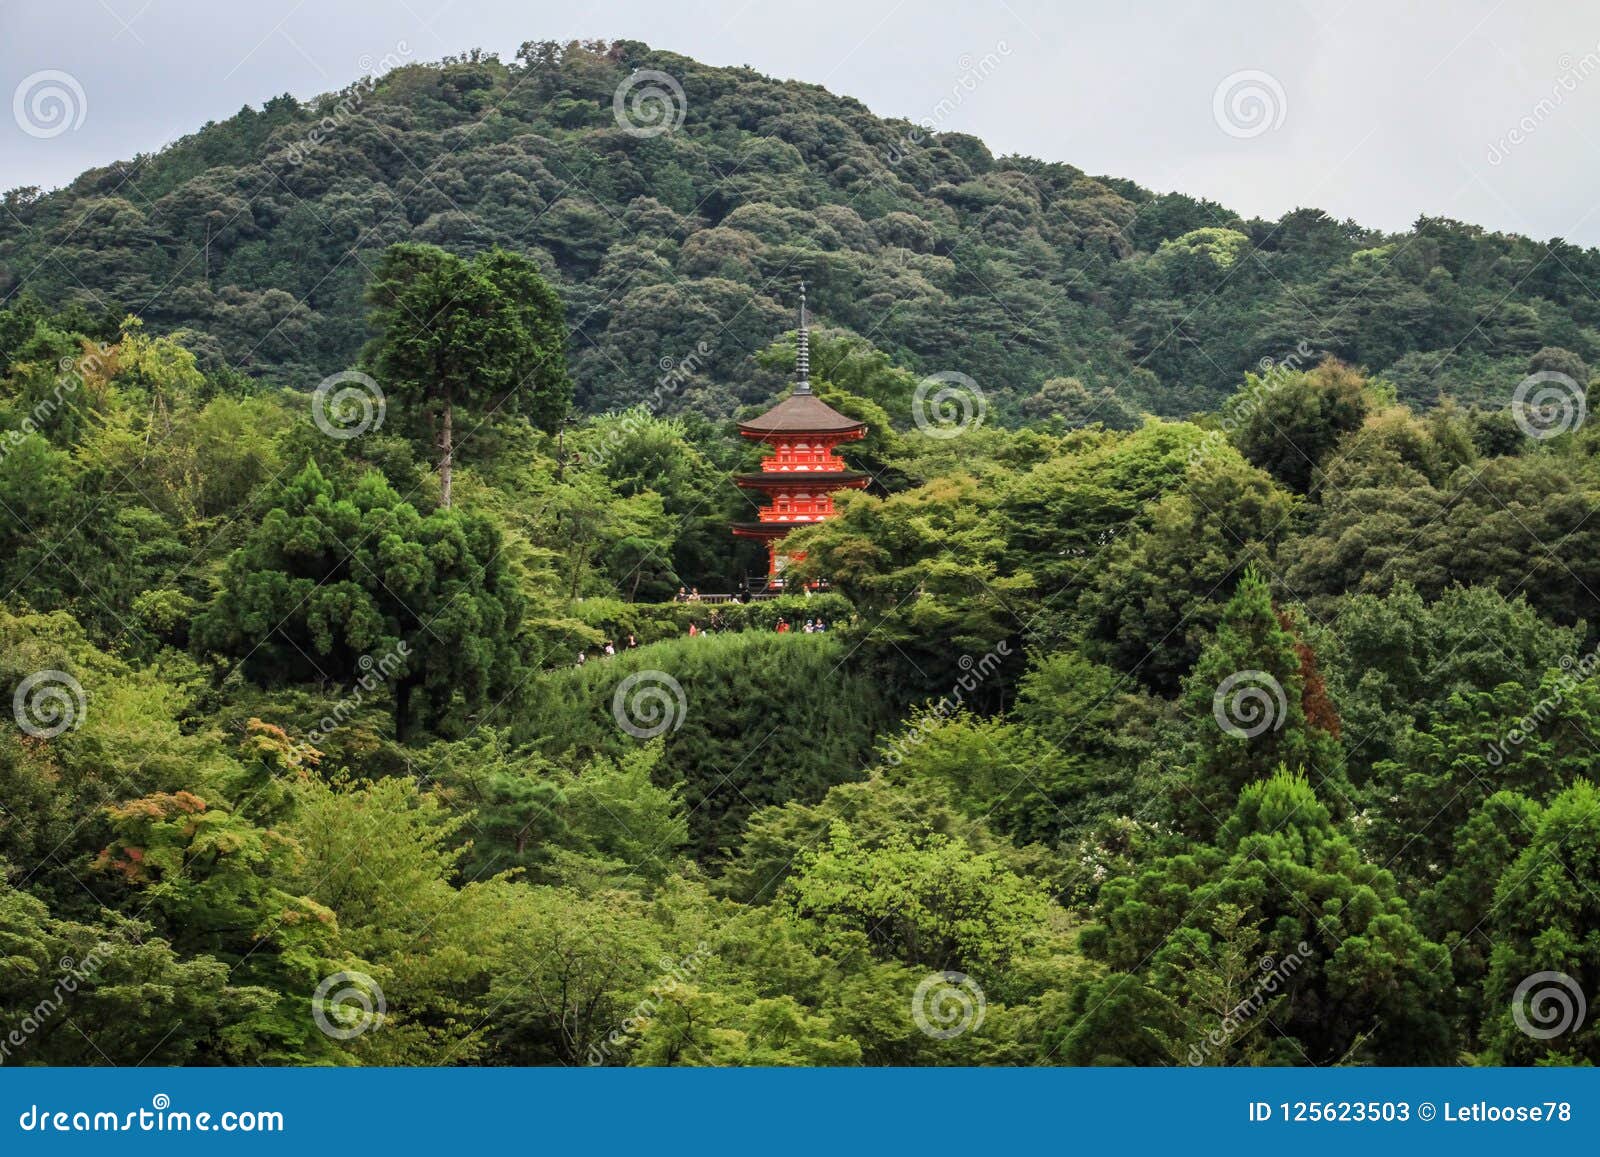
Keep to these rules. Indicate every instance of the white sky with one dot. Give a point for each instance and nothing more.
(1389, 109)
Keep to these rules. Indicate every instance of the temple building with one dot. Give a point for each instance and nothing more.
(800, 475)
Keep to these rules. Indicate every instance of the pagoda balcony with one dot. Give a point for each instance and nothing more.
(823, 464)
(796, 516)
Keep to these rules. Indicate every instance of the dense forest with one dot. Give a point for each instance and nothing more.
(1209, 672)
(256, 237)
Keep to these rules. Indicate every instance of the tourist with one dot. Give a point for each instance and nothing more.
(610, 648)
(694, 594)
(811, 627)
(682, 596)
(630, 644)
(582, 658)
(783, 626)
(694, 631)
(822, 627)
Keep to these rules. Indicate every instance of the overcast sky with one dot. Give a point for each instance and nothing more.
(1379, 110)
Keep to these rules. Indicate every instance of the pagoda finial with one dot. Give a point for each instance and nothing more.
(802, 353)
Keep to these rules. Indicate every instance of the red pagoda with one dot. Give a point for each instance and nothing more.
(799, 477)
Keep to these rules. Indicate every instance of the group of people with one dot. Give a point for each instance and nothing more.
(716, 623)
(609, 649)
(742, 595)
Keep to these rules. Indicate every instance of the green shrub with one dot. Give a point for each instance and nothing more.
(653, 622)
(747, 719)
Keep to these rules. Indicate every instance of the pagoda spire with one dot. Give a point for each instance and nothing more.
(802, 351)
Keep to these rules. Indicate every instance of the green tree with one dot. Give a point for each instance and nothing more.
(1160, 592)
(1290, 421)
(1396, 660)
(1534, 742)
(358, 588)
(82, 994)
(1066, 402)
(1358, 981)
(712, 702)
(574, 970)
(932, 903)
(488, 333)
(1545, 920)
(1245, 700)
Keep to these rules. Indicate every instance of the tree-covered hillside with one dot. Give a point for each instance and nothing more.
(393, 722)
(257, 236)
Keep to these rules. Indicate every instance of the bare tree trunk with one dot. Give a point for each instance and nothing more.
(577, 566)
(402, 708)
(446, 456)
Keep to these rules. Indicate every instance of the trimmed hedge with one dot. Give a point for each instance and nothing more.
(654, 622)
(764, 718)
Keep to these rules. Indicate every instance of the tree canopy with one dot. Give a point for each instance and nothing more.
(1170, 707)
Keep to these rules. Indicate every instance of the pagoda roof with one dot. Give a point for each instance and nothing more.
(766, 529)
(801, 413)
(797, 478)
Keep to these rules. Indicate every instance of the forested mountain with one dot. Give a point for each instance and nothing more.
(257, 235)
(362, 723)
